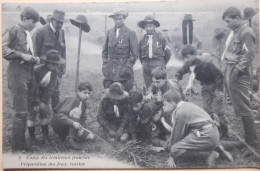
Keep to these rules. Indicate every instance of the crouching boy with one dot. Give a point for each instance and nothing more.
(70, 117)
(113, 113)
(193, 129)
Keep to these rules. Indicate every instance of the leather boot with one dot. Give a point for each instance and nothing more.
(45, 134)
(249, 130)
(71, 143)
(32, 135)
(18, 133)
(70, 139)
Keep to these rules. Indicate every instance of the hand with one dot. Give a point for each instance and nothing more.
(27, 57)
(119, 132)
(76, 125)
(149, 96)
(171, 162)
(36, 60)
(176, 80)
(112, 133)
(157, 149)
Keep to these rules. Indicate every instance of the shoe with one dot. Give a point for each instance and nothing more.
(71, 143)
(212, 159)
(225, 154)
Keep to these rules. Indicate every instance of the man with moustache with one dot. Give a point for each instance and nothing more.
(51, 37)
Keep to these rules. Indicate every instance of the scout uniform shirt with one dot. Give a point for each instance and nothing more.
(111, 114)
(154, 47)
(19, 72)
(119, 53)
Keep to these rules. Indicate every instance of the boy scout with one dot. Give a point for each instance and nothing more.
(154, 50)
(47, 81)
(193, 129)
(238, 57)
(120, 52)
(51, 37)
(113, 112)
(70, 117)
(17, 48)
(160, 85)
(211, 80)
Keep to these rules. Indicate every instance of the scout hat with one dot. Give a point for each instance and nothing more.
(118, 11)
(188, 17)
(249, 12)
(82, 21)
(46, 20)
(188, 50)
(149, 109)
(58, 15)
(116, 91)
(53, 56)
(159, 73)
(148, 19)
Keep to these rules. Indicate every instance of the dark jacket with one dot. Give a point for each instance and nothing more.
(205, 72)
(63, 109)
(44, 39)
(161, 50)
(45, 93)
(119, 54)
(13, 42)
(106, 112)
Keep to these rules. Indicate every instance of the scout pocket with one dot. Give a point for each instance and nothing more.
(236, 45)
(158, 49)
(122, 48)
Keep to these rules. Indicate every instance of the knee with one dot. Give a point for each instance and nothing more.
(176, 152)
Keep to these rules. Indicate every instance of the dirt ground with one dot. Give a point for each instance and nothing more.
(148, 158)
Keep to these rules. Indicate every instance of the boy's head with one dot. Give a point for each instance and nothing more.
(232, 16)
(119, 15)
(136, 98)
(29, 18)
(189, 53)
(85, 90)
(149, 24)
(159, 77)
(53, 60)
(170, 100)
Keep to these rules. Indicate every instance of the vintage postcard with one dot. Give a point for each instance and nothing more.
(146, 84)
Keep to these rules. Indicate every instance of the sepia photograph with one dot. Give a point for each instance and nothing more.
(131, 85)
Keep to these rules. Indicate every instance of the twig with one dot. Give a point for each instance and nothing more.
(124, 148)
(244, 143)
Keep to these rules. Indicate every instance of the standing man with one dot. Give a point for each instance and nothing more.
(153, 48)
(51, 37)
(17, 48)
(120, 52)
(238, 57)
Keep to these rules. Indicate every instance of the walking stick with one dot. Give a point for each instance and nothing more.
(78, 59)
(82, 23)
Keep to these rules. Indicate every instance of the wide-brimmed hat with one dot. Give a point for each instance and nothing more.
(53, 56)
(188, 17)
(118, 11)
(249, 12)
(59, 15)
(46, 20)
(81, 20)
(116, 91)
(148, 19)
(149, 109)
